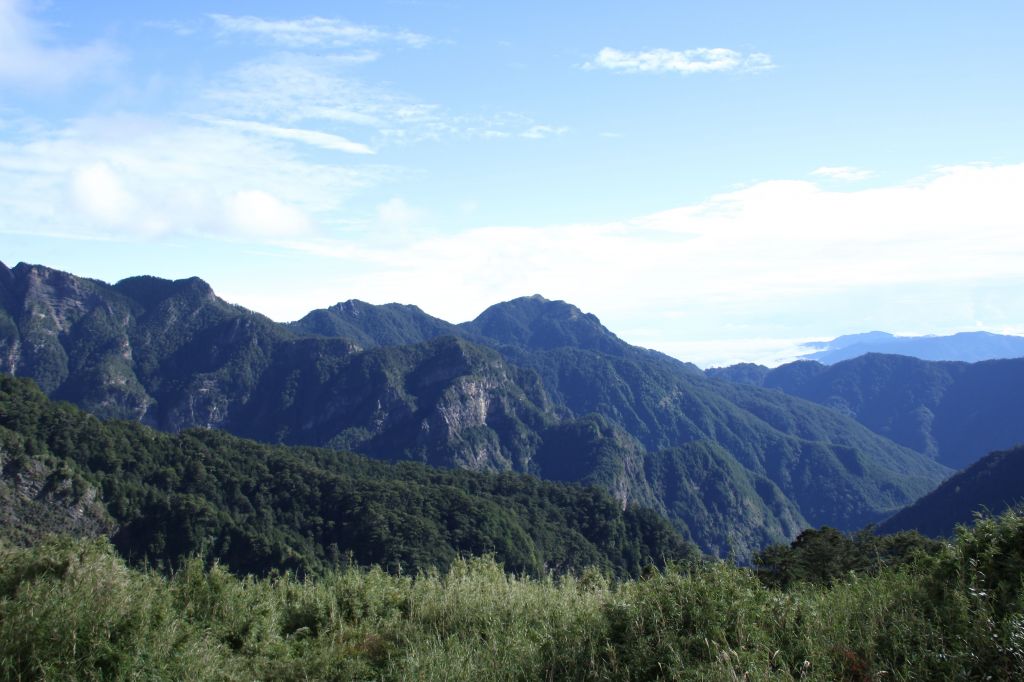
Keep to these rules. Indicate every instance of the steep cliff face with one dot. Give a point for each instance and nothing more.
(445, 402)
(168, 353)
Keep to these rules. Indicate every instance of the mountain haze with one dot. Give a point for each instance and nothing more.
(963, 346)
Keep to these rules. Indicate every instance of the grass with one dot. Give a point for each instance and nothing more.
(72, 610)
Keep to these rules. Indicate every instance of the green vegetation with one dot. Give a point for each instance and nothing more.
(73, 610)
(954, 412)
(531, 385)
(825, 556)
(391, 324)
(259, 508)
(989, 486)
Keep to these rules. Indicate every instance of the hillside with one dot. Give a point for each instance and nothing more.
(991, 485)
(955, 412)
(257, 508)
(531, 385)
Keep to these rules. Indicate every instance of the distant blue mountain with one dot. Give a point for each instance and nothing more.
(965, 347)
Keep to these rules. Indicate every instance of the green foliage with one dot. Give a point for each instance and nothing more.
(825, 555)
(73, 610)
(259, 508)
(369, 325)
(993, 484)
(955, 412)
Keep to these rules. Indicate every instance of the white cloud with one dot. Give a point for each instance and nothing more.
(131, 177)
(686, 62)
(847, 173)
(314, 31)
(538, 132)
(315, 138)
(292, 89)
(307, 92)
(397, 213)
(761, 253)
(254, 212)
(101, 195)
(30, 59)
(178, 28)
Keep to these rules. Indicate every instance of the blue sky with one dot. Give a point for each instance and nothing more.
(719, 181)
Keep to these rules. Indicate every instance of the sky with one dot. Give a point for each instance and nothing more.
(720, 181)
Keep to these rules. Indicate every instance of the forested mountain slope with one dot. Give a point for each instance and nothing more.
(955, 412)
(259, 507)
(555, 394)
(991, 485)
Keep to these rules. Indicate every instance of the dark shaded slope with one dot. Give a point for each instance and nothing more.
(991, 485)
(257, 507)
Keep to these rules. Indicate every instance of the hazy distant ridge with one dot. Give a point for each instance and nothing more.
(963, 346)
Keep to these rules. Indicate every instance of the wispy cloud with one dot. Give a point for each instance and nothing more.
(315, 138)
(314, 31)
(31, 58)
(847, 173)
(287, 89)
(178, 28)
(315, 92)
(539, 132)
(686, 62)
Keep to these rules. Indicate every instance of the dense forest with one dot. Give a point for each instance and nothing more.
(991, 485)
(258, 508)
(954, 412)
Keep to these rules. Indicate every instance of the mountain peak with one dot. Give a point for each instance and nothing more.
(369, 325)
(536, 323)
(149, 290)
(352, 306)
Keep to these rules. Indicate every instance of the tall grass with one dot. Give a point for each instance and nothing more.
(72, 610)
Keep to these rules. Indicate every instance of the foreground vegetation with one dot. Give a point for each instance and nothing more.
(74, 610)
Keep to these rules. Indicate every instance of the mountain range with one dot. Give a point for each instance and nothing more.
(963, 346)
(530, 385)
(954, 412)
